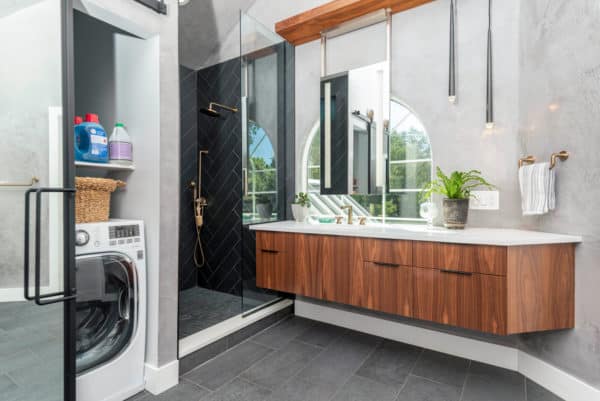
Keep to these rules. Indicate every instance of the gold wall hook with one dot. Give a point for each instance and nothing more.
(526, 160)
(562, 155)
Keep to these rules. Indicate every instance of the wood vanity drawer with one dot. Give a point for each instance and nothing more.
(382, 287)
(272, 241)
(275, 261)
(470, 300)
(393, 252)
(463, 258)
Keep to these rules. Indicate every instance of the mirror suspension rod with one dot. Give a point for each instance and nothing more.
(323, 54)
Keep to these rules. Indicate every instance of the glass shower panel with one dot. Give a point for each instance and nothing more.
(32, 335)
(264, 56)
(260, 58)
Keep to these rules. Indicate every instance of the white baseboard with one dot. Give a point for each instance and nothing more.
(558, 381)
(162, 378)
(207, 336)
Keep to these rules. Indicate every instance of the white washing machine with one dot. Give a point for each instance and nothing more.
(111, 310)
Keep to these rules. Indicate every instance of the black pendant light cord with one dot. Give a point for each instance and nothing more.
(490, 89)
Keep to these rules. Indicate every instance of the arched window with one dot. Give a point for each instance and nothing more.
(261, 202)
(410, 168)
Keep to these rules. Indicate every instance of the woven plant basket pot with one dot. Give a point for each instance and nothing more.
(92, 199)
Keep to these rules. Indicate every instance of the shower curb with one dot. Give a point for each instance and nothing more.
(212, 350)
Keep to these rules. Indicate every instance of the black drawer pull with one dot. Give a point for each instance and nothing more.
(269, 251)
(456, 272)
(386, 264)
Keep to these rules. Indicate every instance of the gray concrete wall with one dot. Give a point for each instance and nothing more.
(545, 52)
(559, 108)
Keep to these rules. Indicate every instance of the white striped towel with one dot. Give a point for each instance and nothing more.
(537, 184)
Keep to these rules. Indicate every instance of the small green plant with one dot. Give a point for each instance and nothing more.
(456, 186)
(302, 199)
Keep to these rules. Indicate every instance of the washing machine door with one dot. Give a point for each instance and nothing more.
(106, 307)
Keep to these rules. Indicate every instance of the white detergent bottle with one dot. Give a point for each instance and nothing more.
(120, 146)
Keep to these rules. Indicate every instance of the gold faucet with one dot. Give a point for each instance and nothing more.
(349, 207)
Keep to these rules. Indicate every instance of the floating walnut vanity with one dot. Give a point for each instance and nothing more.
(491, 280)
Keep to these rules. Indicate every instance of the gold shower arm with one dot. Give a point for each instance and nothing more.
(222, 106)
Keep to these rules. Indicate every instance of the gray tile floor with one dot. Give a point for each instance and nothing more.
(31, 349)
(302, 360)
(200, 308)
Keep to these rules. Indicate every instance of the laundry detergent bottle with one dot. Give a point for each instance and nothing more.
(120, 146)
(91, 144)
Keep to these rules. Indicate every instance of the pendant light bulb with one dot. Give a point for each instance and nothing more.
(489, 125)
(452, 99)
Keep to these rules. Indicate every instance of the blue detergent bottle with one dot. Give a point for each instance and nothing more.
(91, 142)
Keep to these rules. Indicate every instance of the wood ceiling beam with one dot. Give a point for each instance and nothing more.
(307, 26)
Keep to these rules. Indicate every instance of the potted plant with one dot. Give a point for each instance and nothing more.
(264, 206)
(301, 207)
(457, 191)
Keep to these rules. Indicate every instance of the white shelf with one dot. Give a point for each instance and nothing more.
(105, 166)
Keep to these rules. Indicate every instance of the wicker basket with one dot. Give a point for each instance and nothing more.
(92, 199)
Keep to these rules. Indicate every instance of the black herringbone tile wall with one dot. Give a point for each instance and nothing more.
(230, 259)
(221, 178)
(188, 273)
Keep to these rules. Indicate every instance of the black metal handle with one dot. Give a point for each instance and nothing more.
(40, 299)
(456, 272)
(386, 264)
(269, 251)
(26, 245)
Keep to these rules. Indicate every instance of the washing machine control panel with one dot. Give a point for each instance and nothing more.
(92, 237)
(123, 235)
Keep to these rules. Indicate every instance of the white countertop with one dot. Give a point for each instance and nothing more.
(414, 232)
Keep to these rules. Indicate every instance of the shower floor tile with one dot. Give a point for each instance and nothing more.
(200, 308)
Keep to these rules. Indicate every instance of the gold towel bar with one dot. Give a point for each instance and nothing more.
(562, 155)
(529, 160)
(31, 183)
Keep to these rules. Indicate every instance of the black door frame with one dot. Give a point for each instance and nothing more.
(68, 100)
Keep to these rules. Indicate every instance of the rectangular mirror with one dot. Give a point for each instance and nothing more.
(355, 113)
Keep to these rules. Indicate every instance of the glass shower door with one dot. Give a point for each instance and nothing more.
(36, 307)
(264, 58)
